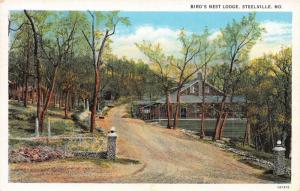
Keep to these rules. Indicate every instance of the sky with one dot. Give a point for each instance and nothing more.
(163, 27)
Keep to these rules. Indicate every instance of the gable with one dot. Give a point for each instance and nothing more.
(194, 88)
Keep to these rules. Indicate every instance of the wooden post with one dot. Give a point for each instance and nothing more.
(49, 128)
(37, 134)
(158, 112)
(87, 105)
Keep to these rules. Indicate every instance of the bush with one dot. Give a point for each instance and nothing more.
(21, 115)
(75, 117)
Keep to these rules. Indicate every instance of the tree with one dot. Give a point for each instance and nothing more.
(56, 55)
(282, 62)
(237, 39)
(266, 85)
(21, 49)
(162, 68)
(36, 58)
(110, 20)
(206, 57)
(185, 67)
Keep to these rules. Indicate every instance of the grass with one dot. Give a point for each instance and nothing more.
(22, 122)
(103, 162)
(22, 125)
(72, 170)
(238, 144)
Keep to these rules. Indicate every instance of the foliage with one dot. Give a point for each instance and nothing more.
(265, 82)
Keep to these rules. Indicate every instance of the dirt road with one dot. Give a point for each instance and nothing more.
(169, 156)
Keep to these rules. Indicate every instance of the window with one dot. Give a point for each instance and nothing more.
(192, 89)
(183, 112)
(206, 90)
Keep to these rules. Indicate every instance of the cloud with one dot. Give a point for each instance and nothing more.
(277, 35)
(214, 35)
(124, 45)
(276, 31)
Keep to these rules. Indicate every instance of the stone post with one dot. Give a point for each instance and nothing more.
(279, 161)
(111, 144)
(37, 134)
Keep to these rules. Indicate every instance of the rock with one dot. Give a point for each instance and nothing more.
(99, 129)
(17, 157)
(36, 154)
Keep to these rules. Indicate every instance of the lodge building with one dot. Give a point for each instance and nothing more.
(191, 102)
(17, 92)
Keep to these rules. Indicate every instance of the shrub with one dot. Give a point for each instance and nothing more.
(75, 117)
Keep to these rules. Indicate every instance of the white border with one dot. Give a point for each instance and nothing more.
(143, 5)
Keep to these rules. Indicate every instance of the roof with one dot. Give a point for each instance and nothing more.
(189, 84)
(142, 102)
(199, 99)
(189, 99)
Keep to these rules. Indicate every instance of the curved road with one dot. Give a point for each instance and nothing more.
(169, 156)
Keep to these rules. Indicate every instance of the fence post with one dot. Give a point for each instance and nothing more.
(279, 161)
(87, 105)
(111, 144)
(37, 134)
(49, 128)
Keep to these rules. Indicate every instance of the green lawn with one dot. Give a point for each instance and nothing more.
(22, 125)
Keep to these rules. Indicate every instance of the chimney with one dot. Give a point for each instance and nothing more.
(199, 78)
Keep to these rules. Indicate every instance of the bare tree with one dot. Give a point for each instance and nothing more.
(186, 67)
(162, 68)
(237, 40)
(111, 19)
(36, 58)
(63, 45)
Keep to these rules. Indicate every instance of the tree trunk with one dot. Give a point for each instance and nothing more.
(168, 110)
(37, 64)
(247, 137)
(27, 70)
(55, 100)
(22, 87)
(222, 125)
(287, 144)
(26, 91)
(66, 104)
(176, 109)
(202, 134)
(59, 101)
(219, 120)
(48, 98)
(73, 102)
(270, 129)
(95, 96)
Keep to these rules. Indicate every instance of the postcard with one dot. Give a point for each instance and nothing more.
(136, 95)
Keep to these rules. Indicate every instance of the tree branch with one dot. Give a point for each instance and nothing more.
(86, 38)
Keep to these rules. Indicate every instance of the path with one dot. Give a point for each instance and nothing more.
(169, 156)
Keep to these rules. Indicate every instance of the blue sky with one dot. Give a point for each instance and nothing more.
(163, 27)
(196, 21)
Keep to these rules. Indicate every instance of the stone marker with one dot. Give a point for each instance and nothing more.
(111, 144)
(279, 161)
(37, 134)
